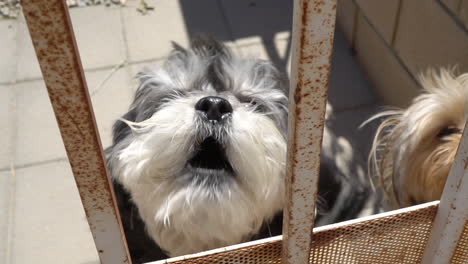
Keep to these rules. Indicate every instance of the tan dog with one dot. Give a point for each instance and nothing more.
(414, 148)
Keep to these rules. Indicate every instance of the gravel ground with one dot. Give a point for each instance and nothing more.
(11, 8)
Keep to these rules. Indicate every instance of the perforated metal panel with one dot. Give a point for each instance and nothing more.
(461, 252)
(396, 237)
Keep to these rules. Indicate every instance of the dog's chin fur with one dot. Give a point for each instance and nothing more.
(188, 209)
(414, 148)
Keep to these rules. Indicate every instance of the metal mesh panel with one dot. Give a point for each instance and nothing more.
(461, 252)
(398, 238)
(393, 238)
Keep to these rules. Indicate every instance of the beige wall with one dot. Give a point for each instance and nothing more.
(395, 40)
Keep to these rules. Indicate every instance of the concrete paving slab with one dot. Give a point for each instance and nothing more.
(27, 67)
(348, 85)
(276, 52)
(8, 50)
(38, 137)
(258, 18)
(49, 222)
(7, 122)
(99, 35)
(38, 134)
(5, 195)
(149, 36)
(207, 17)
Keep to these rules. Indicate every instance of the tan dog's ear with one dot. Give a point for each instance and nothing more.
(380, 161)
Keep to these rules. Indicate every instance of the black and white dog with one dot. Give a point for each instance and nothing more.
(198, 162)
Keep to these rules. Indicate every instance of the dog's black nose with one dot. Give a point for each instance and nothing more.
(215, 108)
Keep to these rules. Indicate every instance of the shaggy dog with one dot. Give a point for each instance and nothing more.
(202, 149)
(414, 148)
(198, 162)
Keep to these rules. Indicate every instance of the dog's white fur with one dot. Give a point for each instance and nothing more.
(190, 218)
(184, 216)
(410, 156)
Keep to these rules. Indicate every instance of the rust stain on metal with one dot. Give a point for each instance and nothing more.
(313, 29)
(52, 35)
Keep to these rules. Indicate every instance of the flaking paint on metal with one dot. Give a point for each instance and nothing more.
(313, 29)
(50, 28)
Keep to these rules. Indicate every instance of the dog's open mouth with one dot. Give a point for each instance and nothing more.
(210, 155)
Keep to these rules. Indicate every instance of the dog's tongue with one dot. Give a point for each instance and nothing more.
(210, 155)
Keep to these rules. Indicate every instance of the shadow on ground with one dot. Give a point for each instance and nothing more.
(244, 19)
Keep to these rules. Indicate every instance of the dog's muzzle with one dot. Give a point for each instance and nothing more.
(210, 153)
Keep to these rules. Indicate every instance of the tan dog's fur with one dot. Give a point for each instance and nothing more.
(414, 148)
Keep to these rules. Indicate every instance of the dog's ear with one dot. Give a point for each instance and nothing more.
(206, 45)
(178, 52)
(178, 48)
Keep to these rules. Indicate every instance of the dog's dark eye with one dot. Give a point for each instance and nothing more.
(260, 108)
(446, 131)
(248, 102)
(255, 104)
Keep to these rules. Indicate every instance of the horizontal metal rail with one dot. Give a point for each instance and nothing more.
(52, 35)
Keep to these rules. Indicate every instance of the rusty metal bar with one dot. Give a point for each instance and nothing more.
(452, 215)
(312, 43)
(52, 35)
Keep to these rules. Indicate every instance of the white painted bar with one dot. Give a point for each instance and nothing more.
(312, 44)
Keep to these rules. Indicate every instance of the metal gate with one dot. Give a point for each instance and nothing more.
(432, 233)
